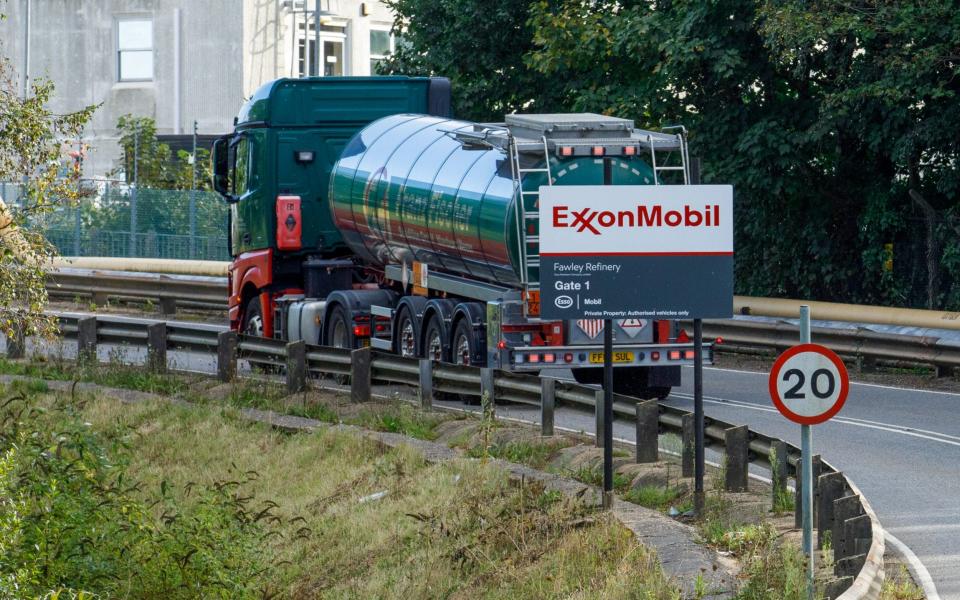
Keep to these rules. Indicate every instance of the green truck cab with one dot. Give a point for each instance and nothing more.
(287, 137)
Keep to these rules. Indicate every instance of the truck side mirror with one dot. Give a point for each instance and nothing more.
(221, 168)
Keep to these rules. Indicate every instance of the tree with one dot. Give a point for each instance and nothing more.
(32, 151)
(153, 163)
(820, 114)
(481, 46)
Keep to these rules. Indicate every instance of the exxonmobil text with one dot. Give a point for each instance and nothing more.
(588, 219)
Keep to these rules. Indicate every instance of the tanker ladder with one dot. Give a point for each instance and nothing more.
(684, 157)
(528, 221)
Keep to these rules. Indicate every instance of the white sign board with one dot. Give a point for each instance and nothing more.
(636, 251)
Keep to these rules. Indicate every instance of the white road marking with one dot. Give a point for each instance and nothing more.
(912, 432)
(873, 385)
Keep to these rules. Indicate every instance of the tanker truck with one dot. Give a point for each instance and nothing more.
(363, 215)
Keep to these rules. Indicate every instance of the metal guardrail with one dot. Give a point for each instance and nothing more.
(172, 290)
(857, 536)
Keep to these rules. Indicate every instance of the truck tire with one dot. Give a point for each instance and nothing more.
(464, 345)
(338, 332)
(406, 344)
(434, 346)
(253, 325)
(629, 381)
(253, 317)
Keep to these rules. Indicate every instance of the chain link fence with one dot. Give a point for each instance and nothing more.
(116, 219)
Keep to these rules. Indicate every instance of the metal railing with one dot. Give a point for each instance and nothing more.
(857, 537)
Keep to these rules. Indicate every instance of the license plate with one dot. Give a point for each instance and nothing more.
(618, 357)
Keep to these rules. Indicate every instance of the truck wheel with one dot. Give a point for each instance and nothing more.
(433, 341)
(253, 325)
(253, 318)
(339, 335)
(338, 332)
(465, 342)
(406, 344)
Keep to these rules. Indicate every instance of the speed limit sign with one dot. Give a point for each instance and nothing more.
(809, 384)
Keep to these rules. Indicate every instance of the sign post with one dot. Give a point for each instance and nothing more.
(808, 384)
(635, 253)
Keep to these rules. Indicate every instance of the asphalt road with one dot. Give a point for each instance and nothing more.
(900, 446)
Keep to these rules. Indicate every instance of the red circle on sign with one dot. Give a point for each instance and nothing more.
(775, 377)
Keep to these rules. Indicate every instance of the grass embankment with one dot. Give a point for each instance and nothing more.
(772, 565)
(154, 500)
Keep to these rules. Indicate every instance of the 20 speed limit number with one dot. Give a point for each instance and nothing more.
(809, 384)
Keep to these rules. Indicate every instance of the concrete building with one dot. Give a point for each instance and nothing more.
(180, 61)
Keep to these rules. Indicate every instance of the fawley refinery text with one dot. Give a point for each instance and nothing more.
(644, 216)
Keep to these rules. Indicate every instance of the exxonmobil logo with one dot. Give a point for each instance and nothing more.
(588, 219)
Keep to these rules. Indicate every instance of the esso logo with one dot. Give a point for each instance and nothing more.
(563, 301)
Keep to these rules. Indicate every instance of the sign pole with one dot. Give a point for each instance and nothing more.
(607, 413)
(698, 494)
(806, 455)
(607, 385)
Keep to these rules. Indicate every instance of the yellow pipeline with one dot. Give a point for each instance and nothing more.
(831, 311)
(210, 268)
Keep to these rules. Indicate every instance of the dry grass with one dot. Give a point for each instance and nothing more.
(455, 530)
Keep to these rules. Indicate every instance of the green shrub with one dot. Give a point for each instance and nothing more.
(73, 522)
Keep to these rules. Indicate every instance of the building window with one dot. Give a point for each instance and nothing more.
(332, 41)
(381, 45)
(135, 50)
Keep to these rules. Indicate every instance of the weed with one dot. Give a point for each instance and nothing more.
(899, 586)
(653, 496)
(594, 476)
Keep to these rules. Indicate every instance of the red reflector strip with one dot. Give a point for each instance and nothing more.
(654, 355)
(568, 358)
(534, 358)
(566, 150)
(629, 150)
(674, 355)
(689, 354)
(598, 150)
(548, 358)
(361, 330)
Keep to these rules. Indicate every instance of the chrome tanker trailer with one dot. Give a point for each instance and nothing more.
(362, 214)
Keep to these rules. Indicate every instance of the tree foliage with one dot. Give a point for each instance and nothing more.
(837, 123)
(32, 152)
(478, 44)
(150, 163)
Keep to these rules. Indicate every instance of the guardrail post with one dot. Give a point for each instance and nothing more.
(844, 508)
(648, 428)
(736, 443)
(168, 306)
(778, 469)
(854, 529)
(16, 342)
(226, 355)
(360, 380)
(296, 367)
(488, 386)
(100, 299)
(426, 383)
(831, 487)
(87, 339)
(157, 347)
(548, 401)
(598, 418)
(687, 450)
